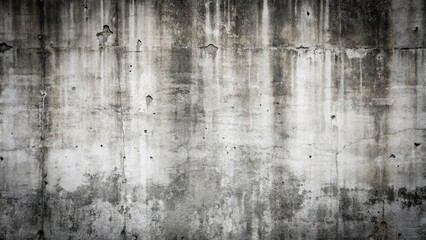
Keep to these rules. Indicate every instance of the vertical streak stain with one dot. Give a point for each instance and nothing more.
(118, 54)
(43, 122)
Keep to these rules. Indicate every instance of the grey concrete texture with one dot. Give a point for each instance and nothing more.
(220, 119)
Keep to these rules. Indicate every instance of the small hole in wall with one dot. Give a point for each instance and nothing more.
(308, 13)
(73, 88)
(1, 158)
(145, 131)
(333, 116)
(124, 157)
(102, 145)
(416, 144)
(416, 29)
(150, 157)
(310, 156)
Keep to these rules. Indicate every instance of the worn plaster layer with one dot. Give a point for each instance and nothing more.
(222, 119)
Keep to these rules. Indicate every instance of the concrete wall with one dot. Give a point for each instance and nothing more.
(228, 119)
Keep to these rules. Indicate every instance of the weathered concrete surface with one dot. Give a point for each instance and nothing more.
(222, 119)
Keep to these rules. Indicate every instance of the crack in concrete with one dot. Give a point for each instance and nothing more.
(373, 138)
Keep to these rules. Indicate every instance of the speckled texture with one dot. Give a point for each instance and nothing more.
(196, 119)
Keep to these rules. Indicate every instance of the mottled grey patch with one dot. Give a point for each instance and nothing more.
(4, 47)
(74, 213)
(181, 65)
(412, 198)
(286, 197)
(381, 194)
(192, 191)
(330, 190)
(349, 205)
(19, 212)
(325, 223)
(104, 35)
(96, 187)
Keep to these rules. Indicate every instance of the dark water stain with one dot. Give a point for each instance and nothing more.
(382, 195)
(245, 16)
(179, 16)
(360, 23)
(282, 13)
(283, 68)
(413, 198)
(181, 65)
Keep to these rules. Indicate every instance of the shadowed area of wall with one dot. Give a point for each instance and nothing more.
(220, 119)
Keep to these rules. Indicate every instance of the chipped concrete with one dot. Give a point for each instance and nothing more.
(4, 47)
(254, 119)
(104, 35)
